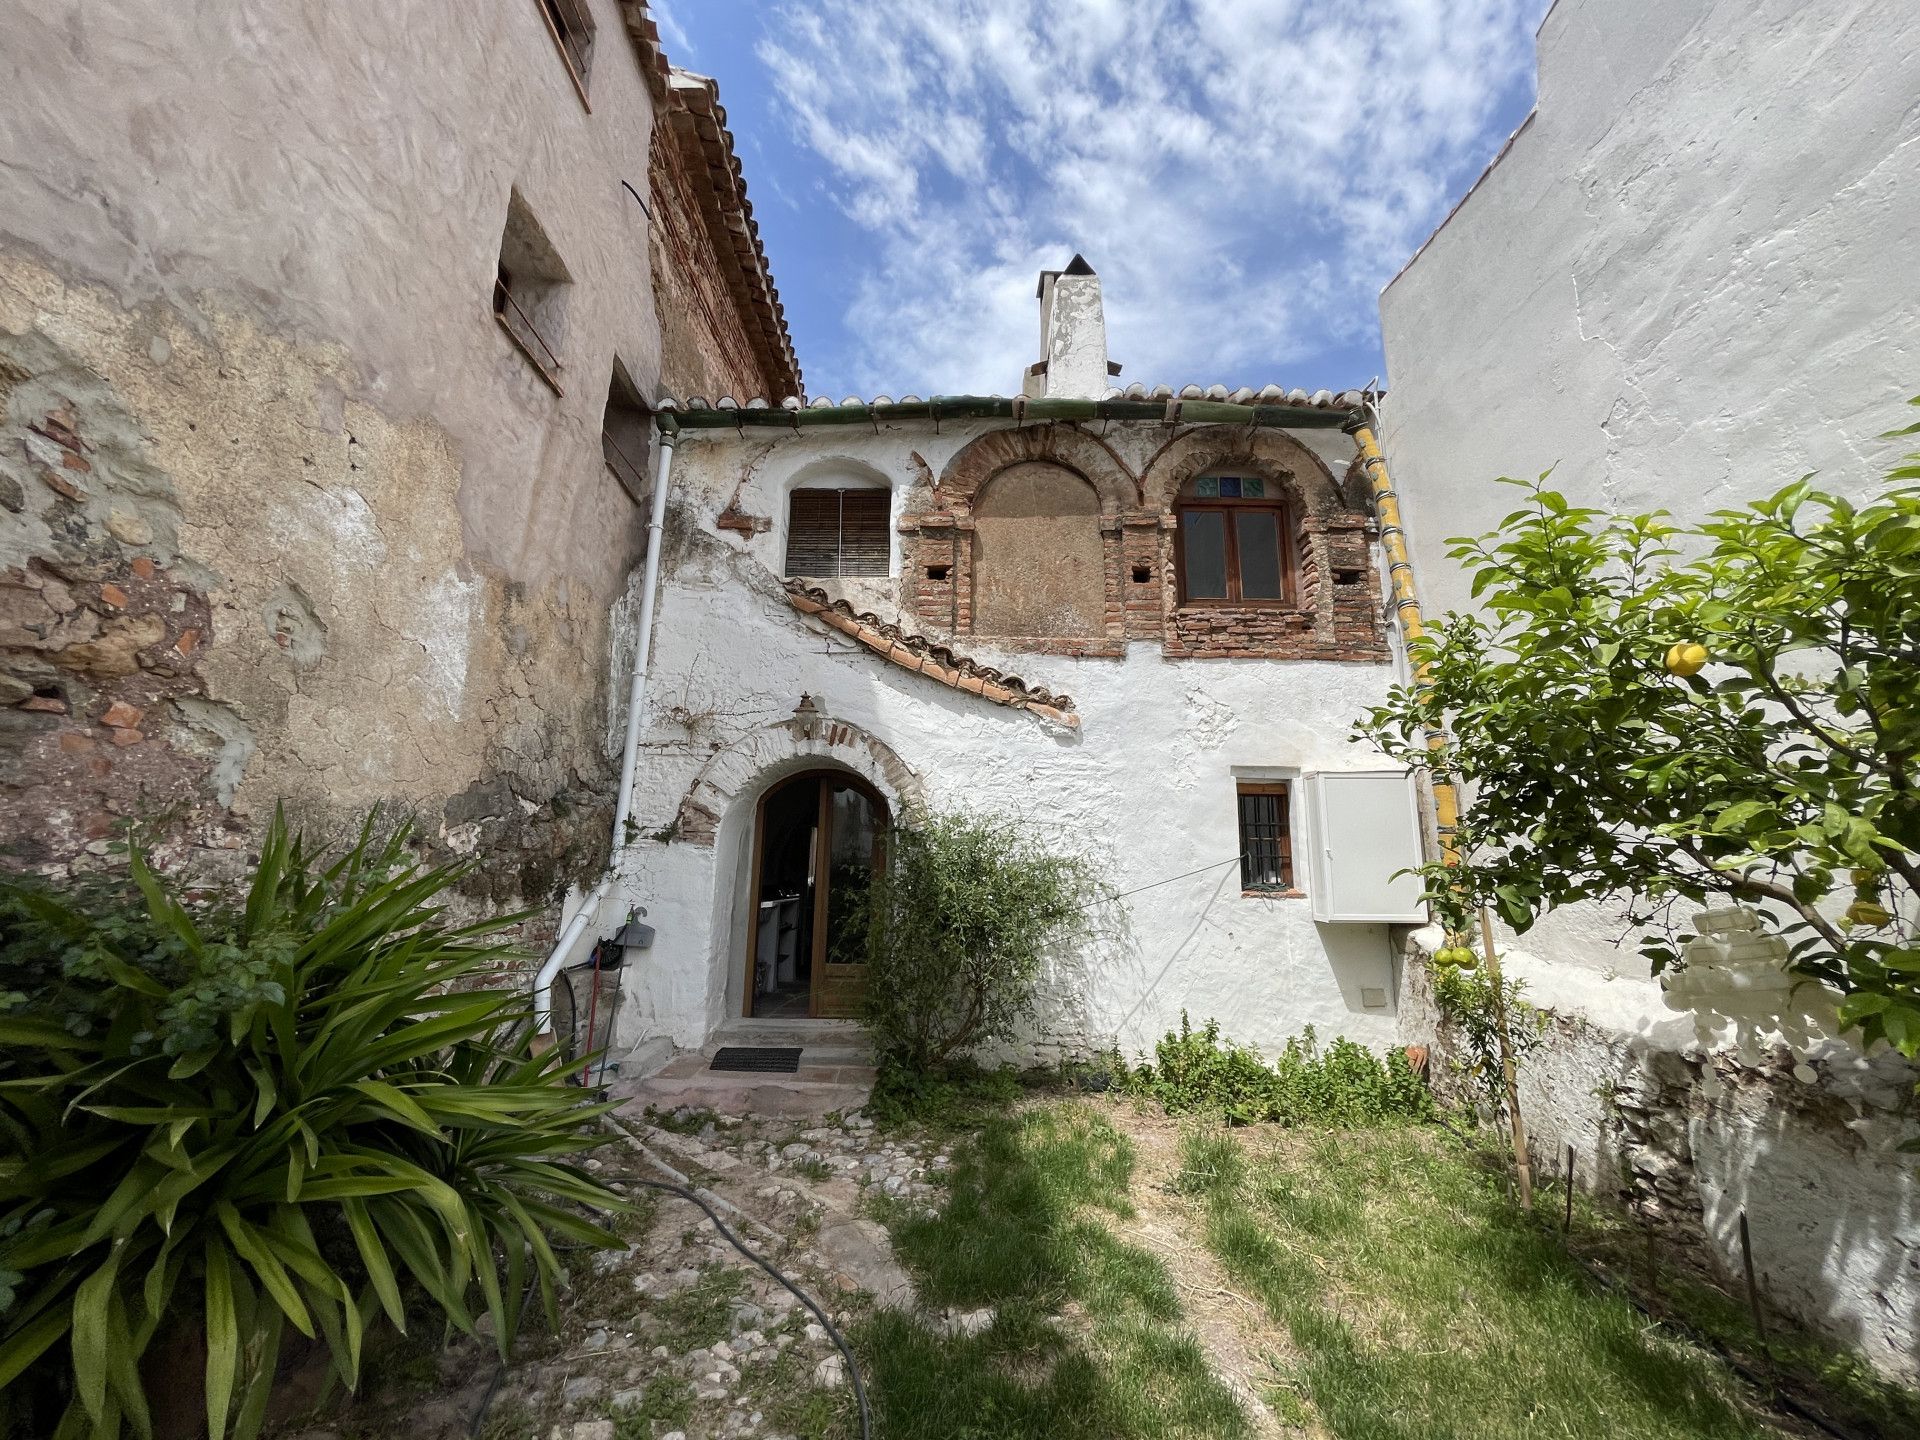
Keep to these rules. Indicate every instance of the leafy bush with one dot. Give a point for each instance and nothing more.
(961, 918)
(1465, 998)
(1347, 1085)
(232, 1116)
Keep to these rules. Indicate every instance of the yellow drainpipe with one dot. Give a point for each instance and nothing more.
(1446, 807)
(1386, 505)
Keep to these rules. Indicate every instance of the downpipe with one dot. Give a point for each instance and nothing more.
(589, 909)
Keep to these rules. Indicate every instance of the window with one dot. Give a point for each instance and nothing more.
(572, 30)
(835, 533)
(626, 431)
(1266, 840)
(1233, 542)
(530, 290)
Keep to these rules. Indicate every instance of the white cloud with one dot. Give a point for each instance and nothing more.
(1244, 174)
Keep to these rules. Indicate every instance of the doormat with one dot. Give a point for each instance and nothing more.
(764, 1059)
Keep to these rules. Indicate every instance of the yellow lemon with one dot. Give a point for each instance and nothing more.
(1865, 912)
(1684, 659)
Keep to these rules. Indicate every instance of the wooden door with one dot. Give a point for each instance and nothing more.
(852, 823)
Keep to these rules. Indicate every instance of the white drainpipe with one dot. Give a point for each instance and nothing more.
(589, 910)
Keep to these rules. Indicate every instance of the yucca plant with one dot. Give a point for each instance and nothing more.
(293, 1110)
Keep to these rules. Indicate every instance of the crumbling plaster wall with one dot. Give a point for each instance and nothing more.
(255, 401)
(1147, 782)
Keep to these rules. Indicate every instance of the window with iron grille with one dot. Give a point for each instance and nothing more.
(572, 28)
(837, 533)
(1266, 839)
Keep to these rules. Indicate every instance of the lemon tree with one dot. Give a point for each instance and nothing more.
(1675, 714)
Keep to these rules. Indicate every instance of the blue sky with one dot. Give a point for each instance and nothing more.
(1244, 174)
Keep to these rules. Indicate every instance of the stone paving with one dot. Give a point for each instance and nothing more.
(679, 1336)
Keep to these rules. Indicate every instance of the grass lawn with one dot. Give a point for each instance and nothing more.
(1417, 1302)
(1087, 1338)
(1380, 1280)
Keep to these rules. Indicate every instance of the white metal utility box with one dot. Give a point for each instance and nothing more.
(1363, 827)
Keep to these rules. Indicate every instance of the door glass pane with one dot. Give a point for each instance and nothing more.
(1258, 532)
(850, 876)
(1203, 538)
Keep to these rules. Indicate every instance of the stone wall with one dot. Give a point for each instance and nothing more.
(285, 515)
(1686, 1136)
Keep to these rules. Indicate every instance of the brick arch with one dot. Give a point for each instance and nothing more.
(1271, 454)
(765, 756)
(1085, 455)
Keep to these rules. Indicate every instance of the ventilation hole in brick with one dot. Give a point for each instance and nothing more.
(1346, 577)
(938, 572)
(1142, 574)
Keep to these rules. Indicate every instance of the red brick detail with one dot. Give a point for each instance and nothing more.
(935, 662)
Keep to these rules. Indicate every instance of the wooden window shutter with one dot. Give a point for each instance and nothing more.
(864, 543)
(813, 533)
(834, 533)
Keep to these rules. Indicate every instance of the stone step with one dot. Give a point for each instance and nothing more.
(733, 1093)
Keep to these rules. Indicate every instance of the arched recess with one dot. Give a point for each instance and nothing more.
(717, 811)
(769, 754)
(830, 473)
(1040, 562)
(980, 460)
(1271, 454)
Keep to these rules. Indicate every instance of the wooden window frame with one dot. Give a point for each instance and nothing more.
(840, 571)
(1185, 505)
(580, 64)
(1288, 887)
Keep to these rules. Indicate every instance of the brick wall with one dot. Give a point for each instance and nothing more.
(1337, 614)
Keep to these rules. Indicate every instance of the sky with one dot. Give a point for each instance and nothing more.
(1244, 175)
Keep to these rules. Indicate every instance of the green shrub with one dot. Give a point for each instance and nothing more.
(1465, 998)
(960, 919)
(1347, 1085)
(241, 1115)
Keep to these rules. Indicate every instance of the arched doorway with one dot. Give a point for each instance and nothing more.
(817, 840)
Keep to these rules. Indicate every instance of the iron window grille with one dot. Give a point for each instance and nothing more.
(1266, 837)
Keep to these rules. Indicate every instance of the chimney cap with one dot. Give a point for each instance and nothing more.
(1076, 266)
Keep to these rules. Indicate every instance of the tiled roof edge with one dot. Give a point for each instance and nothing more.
(699, 123)
(925, 657)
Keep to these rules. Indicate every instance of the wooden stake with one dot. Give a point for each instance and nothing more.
(1523, 1167)
(1753, 1289)
(1566, 1219)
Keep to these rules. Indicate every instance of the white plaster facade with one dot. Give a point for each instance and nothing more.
(1688, 281)
(1147, 780)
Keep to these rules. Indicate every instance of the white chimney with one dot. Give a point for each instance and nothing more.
(1073, 336)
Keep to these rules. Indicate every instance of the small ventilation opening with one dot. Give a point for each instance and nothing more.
(939, 572)
(1346, 577)
(1142, 574)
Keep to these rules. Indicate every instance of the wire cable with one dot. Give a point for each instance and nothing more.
(813, 1308)
(833, 1332)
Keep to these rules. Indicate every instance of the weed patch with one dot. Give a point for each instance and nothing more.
(1345, 1085)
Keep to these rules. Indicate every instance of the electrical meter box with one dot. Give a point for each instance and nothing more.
(1364, 830)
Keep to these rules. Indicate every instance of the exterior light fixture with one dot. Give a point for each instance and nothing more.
(807, 715)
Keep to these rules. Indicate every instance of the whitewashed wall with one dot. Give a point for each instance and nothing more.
(1147, 782)
(1689, 281)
